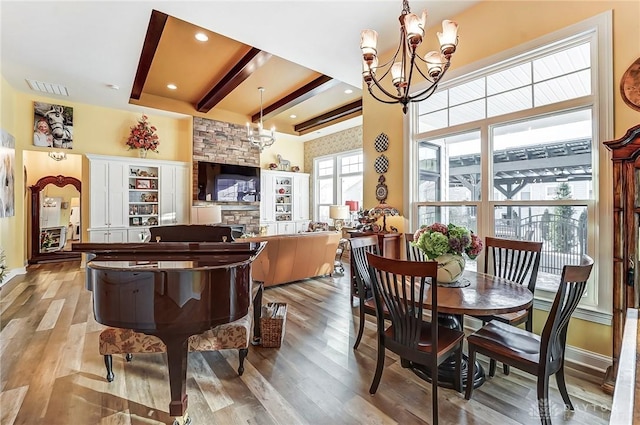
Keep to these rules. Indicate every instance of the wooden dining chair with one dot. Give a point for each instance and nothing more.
(517, 261)
(360, 270)
(413, 253)
(542, 355)
(401, 286)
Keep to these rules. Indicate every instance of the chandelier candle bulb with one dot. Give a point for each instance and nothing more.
(415, 28)
(368, 43)
(448, 37)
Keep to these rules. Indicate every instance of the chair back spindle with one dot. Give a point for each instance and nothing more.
(513, 260)
(413, 253)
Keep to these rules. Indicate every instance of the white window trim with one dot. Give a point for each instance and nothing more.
(336, 177)
(603, 89)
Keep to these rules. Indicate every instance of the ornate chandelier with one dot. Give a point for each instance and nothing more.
(411, 33)
(260, 137)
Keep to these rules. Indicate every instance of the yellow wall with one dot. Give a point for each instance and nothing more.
(12, 228)
(484, 31)
(288, 148)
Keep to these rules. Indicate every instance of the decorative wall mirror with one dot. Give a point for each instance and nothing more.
(55, 218)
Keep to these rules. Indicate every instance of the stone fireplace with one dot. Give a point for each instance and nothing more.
(223, 142)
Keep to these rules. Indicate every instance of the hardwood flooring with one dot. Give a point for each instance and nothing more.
(51, 372)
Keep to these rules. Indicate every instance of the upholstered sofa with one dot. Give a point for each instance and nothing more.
(288, 258)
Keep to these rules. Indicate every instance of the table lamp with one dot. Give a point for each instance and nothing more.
(206, 215)
(339, 213)
(353, 208)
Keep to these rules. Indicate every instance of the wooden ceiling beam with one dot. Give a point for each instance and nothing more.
(240, 72)
(340, 112)
(320, 84)
(149, 47)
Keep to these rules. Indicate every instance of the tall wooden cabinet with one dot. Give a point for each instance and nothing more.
(626, 230)
(128, 195)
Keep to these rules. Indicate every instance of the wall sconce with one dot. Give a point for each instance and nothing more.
(57, 156)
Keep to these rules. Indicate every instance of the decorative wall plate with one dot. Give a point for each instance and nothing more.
(630, 86)
(381, 143)
(381, 164)
(381, 192)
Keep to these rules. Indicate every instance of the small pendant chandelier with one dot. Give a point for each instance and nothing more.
(402, 70)
(260, 137)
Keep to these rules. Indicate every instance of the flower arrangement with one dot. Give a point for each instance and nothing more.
(143, 136)
(438, 239)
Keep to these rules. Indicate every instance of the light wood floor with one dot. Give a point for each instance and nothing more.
(51, 372)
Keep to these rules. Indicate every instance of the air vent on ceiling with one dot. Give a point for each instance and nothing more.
(48, 87)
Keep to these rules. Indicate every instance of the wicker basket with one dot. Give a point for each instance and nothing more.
(272, 322)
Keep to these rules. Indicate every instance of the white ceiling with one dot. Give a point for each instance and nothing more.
(88, 45)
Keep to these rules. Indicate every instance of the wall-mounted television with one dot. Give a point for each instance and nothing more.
(227, 182)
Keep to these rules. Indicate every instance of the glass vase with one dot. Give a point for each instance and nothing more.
(142, 153)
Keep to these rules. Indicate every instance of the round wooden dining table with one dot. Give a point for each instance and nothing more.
(480, 294)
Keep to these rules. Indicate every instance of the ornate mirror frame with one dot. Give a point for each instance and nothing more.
(36, 255)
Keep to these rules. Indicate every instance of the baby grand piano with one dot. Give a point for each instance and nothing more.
(170, 290)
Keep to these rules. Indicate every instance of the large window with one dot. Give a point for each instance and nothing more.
(511, 150)
(338, 178)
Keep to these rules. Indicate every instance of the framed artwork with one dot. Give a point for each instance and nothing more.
(136, 221)
(52, 125)
(7, 174)
(143, 184)
(279, 208)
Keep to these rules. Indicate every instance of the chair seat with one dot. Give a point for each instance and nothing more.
(514, 318)
(447, 338)
(508, 341)
(234, 335)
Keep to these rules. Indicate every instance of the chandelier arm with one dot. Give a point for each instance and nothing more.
(392, 60)
(426, 93)
(382, 89)
(397, 99)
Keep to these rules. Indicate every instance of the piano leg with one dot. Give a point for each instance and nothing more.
(177, 351)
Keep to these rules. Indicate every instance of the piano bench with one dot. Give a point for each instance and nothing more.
(234, 335)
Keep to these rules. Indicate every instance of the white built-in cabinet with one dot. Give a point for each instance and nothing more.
(284, 202)
(173, 183)
(128, 195)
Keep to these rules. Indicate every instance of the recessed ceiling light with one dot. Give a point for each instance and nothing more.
(172, 86)
(113, 86)
(201, 36)
(348, 91)
(293, 116)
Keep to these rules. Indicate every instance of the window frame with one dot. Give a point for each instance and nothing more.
(336, 177)
(596, 306)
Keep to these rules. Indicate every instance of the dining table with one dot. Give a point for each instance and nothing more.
(476, 294)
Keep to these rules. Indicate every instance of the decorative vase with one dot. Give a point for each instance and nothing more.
(450, 267)
(142, 153)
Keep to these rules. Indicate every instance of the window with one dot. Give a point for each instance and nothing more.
(510, 150)
(338, 178)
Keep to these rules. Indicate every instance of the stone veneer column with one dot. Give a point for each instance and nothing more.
(226, 143)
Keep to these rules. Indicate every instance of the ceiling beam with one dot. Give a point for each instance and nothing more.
(240, 72)
(317, 86)
(341, 112)
(149, 47)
